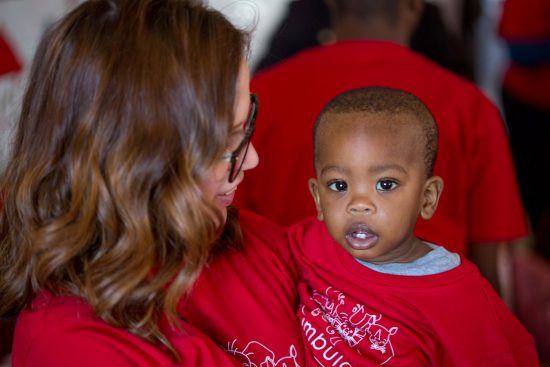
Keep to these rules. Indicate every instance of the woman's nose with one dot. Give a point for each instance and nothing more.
(252, 159)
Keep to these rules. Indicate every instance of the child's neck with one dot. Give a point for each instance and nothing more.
(415, 251)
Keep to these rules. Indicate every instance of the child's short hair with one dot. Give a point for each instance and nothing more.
(384, 100)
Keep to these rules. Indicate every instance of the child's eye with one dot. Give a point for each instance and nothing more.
(386, 185)
(338, 185)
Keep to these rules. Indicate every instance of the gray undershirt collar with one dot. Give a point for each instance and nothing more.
(436, 261)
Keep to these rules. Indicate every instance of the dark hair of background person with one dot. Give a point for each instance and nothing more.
(307, 24)
(128, 104)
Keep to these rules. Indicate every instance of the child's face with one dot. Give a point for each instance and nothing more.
(371, 184)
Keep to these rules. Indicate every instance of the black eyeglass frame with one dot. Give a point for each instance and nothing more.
(249, 127)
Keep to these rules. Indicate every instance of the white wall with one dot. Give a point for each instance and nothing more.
(22, 23)
(259, 16)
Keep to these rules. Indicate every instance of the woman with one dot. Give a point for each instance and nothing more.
(133, 137)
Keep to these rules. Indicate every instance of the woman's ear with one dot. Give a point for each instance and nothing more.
(430, 196)
(314, 190)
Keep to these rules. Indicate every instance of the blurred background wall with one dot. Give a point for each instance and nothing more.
(23, 21)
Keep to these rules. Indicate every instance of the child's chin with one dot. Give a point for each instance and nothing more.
(363, 255)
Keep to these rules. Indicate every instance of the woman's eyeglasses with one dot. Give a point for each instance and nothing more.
(237, 157)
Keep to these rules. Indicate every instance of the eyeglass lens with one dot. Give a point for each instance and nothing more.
(239, 161)
(238, 157)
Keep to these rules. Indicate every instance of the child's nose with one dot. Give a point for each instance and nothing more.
(361, 204)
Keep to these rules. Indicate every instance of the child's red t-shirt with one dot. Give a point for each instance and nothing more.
(354, 316)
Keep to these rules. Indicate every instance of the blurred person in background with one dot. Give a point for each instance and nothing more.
(525, 27)
(479, 211)
(307, 24)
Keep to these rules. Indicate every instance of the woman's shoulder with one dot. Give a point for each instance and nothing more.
(49, 314)
(63, 331)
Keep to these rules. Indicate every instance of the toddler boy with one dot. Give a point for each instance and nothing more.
(371, 292)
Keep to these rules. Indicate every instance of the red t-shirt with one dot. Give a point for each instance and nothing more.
(526, 22)
(480, 202)
(354, 316)
(246, 300)
(8, 61)
(63, 332)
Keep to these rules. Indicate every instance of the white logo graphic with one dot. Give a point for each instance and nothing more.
(255, 354)
(352, 324)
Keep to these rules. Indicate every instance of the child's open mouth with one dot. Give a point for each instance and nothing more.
(360, 237)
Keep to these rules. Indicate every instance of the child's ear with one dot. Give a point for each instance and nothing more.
(314, 190)
(430, 197)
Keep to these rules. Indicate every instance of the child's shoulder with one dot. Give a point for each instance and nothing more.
(306, 230)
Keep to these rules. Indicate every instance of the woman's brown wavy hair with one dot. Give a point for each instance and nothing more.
(129, 103)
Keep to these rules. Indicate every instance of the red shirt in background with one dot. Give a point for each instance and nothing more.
(480, 201)
(8, 61)
(525, 25)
